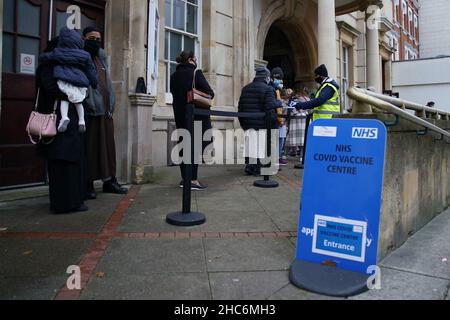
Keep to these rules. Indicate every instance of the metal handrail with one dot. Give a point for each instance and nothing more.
(363, 96)
(404, 104)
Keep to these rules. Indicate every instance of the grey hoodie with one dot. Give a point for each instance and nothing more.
(94, 104)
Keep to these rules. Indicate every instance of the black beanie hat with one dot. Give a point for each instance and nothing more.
(89, 30)
(262, 72)
(321, 71)
(277, 73)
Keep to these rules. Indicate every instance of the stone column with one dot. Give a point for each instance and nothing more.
(327, 35)
(373, 57)
(126, 39)
(142, 130)
(117, 49)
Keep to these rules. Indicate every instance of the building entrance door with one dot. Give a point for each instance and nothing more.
(25, 30)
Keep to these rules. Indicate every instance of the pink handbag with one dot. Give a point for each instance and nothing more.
(42, 125)
(198, 98)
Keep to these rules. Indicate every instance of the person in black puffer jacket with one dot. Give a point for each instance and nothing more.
(258, 97)
(75, 73)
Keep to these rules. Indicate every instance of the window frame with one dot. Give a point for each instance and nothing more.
(396, 10)
(410, 20)
(168, 28)
(404, 12)
(416, 25)
(345, 75)
(15, 34)
(397, 49)
(153, 38)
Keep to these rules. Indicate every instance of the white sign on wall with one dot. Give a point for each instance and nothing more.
(27, 63)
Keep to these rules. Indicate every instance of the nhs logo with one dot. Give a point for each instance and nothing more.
(365, 133)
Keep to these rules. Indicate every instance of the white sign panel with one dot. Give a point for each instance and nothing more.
(27, 63)
(329, 132)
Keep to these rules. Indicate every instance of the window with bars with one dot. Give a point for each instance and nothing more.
(182, 32)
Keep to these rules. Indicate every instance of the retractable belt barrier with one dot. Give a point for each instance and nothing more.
(249, 115)
(186, 218)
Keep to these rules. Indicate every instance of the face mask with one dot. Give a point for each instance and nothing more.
(319, 80)
(92, 46)
(277, 83)
(193, 62)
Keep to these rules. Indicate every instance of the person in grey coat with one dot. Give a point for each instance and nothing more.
(100, 143)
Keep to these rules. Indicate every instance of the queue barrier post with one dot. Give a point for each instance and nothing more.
(267, 183)
(187, 218)
(308, 122)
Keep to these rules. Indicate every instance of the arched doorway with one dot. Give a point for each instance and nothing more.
(278, 53)
(288, 47)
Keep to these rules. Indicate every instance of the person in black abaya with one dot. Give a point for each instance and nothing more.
(66, 162)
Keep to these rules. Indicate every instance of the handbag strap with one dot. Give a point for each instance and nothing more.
(37, 99)
(36, 103)
(55, 106)
(193, 80)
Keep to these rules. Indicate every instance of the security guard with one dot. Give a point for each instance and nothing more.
(326, 102)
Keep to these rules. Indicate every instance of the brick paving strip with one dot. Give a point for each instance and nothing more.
(96, 251)
(47, 235)
(148, 235)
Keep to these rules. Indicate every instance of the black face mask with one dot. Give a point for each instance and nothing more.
(319, 80)
(92, 46)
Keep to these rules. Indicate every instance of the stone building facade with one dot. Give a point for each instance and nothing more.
(230, 38)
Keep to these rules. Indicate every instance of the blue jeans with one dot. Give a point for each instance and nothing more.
(281, 147)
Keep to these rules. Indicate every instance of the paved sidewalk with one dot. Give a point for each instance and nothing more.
(126, 250)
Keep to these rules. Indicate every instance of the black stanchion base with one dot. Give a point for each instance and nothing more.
(329, 281)
(180, 219)
(266, 184)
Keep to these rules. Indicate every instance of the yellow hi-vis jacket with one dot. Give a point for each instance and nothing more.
(332, 106)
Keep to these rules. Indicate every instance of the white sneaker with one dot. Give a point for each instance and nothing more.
(63, 125)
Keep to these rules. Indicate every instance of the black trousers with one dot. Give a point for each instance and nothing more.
(206, 125)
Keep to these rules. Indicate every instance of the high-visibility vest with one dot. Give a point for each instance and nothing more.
(332, 106)
(279, 110)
